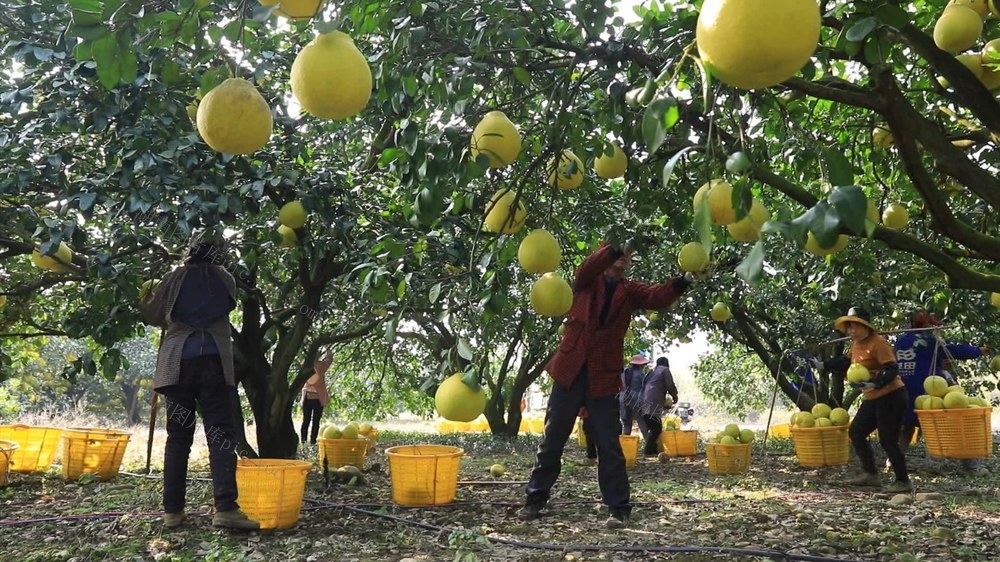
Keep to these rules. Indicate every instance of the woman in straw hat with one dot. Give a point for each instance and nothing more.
(884, 400)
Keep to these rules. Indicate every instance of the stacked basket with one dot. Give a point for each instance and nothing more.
(728, 459)
(680, 443)
(822, 446)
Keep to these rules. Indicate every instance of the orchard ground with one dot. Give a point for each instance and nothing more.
(777, 507)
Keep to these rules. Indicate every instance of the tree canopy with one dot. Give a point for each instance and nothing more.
(99, 151)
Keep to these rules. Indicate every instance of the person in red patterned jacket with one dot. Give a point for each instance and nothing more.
(586, 369)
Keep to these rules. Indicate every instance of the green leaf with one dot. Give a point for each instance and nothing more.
(463, 349)
(435, 293)
(852, 207)
(838, 167)
(861, 29)
(660, 116)
(105, 51)
(127, 61)
(706, 85)
(751, 269)
(86, 201)
(668, 168)
(471, 379)
(824, 223)
(703, 223)
(390, 331)
(893, 15)
(522, 75)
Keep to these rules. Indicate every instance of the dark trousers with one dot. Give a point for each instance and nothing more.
(311, 409)
(886, 415)
(591, 445)
(203, 388)
(654, 425)
(560, 416)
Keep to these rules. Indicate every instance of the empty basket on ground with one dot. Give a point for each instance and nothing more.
(780, 431)
(957, 434)
(36, 446)
(822, 446)
(342, 452)
(444, 427)
(630, 448)
(93, 451)
(727, 459)
(271, 490)
(7, 449)
(536, 426)
(424, 474)
(581, 436)
(680, 442)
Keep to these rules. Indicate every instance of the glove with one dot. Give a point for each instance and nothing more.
(815, 363)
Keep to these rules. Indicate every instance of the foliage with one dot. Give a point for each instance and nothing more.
(98, 150)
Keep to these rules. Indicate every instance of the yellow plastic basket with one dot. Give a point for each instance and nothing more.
(536, 426)
(780, 431)
(630, 448)
(95, 451)
(271, 490)
(36, 446)
(342, 452)
(728, 459)
(424, 474)
(680, 442)
(958, 434)
(581, 436)
(7, 449)
(822, 446)
(445, 427)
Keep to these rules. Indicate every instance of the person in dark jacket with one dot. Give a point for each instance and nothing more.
(586, 369)
(633, 378)
(194, 372)
(922, 354)
(658, 384)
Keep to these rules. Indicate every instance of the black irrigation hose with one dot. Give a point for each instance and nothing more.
(600, 548)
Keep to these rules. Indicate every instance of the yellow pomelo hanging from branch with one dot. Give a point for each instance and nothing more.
(958, 28)
(551, 295)
(294, 9)
(292, 214)
(757, 43)
(499, 217)
(568, 173)
(747, 229)
(330, 77)
(57, 262)
(496, 137)
(539, 252)
(457, 401)
(234, 118)
(610, 166)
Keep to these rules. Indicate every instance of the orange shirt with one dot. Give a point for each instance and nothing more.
(874, 352)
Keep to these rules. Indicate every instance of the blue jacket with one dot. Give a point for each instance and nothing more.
(914, 354)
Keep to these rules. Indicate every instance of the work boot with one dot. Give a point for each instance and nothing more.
(173, 520)
(530, 512)
(617, 521)
(865, 479)
(899, 487)
(234, 519)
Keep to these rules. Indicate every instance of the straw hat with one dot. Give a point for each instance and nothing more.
(855, 314)
(640, 359)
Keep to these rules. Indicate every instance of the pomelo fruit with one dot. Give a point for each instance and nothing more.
(496, 137)
(539, 252)
(330, 77)
(551, 295)
(233, 118)
(456, 401)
